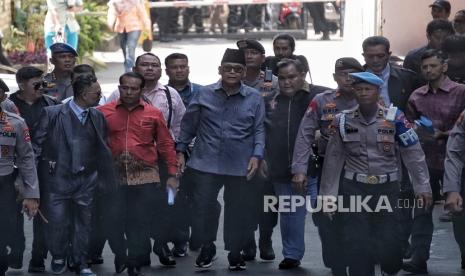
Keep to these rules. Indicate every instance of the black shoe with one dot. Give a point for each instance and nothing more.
(36, 266)
(15, 261)
(236, 262)
(415, 267)
(266, 250)
(120, 264)
(180, 250)
(206, 256)
(134, 271)
(248, 254)
(96, 260)
(289, 263)
(164, 255)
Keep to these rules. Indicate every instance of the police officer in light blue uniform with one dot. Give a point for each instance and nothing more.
(364, 147)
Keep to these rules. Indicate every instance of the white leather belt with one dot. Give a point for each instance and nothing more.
(371, 179)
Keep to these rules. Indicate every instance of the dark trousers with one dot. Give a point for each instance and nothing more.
(183, 214)
(317, 12)
(265, 221)
(70, 211)
(144, 211)
(39, 247)
(421, 227)
(7, 217)
(18, 241)
(237, 206)
(108, 224)
(458, 221)
(371, 238)
(330, 231)
(192, 15)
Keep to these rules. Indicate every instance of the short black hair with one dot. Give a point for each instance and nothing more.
(439, 24)
(28, 72)
(133, 75)
(453, 44)
(174, 56)
(287, 37)
(81, 83)
(375, 41)
(434, 53)
(287, 62)
(146, 54)
(460, 12)
(84, 68)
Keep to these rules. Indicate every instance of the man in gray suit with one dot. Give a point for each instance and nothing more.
(72, 153)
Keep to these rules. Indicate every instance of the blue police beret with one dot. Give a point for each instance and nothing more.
(62, 48)
(368, 78)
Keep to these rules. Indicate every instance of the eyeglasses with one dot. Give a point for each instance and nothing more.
(229, 68)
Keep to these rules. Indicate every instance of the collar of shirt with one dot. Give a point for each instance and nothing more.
(186, 88)
(219, 86)
(119, 103)
(157, 88)
(76, 108)
(253, 83)
(446, 86)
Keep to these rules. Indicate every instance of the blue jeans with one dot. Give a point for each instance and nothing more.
(293, 223)
(71, 38)
(128, 43)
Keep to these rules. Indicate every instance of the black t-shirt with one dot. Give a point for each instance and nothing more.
(271, 62)
(30, 113)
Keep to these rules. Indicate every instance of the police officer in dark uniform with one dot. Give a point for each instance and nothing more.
(364, 148)
(320, 113)
(15, 149)
(30, 102)
(267, 84)
(59, 80)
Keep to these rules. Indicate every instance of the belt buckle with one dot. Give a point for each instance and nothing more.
(372, 179)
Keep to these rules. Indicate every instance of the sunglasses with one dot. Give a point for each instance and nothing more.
(230, 68)
(39, 85)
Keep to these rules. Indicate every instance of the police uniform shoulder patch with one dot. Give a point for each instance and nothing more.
(312, 106)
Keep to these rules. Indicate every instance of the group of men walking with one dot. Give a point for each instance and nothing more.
(148, 163)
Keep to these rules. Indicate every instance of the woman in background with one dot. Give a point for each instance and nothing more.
(128, 18)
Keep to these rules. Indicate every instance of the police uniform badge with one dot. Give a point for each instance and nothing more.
(329, 111)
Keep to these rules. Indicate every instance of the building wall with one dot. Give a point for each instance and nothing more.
(404, 22)
(5, 14)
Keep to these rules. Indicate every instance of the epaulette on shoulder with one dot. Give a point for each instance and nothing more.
(350, 112)
(13, 115)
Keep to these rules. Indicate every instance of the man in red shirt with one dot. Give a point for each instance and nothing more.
(137, 133)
